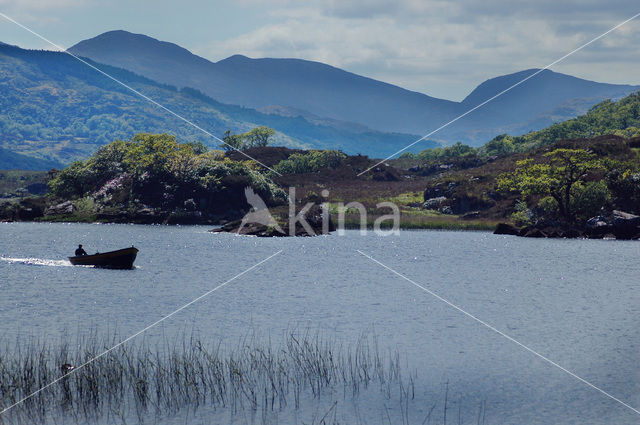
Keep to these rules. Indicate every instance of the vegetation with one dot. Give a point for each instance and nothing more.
(157, 173)
(454, 151)
(143, 382)
(572, 185)
(621, 118)
(561, 176)
(16, 183)
(258, 137)
(309, 162)
(56, 110)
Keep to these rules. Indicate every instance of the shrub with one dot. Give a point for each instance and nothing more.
(522, 215)
(589, 198)
(310, 162)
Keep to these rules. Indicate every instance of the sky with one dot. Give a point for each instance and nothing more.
(440, 48)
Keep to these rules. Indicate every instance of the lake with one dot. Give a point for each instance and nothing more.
(576, 302)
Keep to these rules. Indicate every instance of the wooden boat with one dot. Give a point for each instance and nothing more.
(120, 259)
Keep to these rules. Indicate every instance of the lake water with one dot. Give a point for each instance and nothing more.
(576, 302)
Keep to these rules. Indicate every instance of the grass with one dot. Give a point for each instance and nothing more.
(143, 380)
(426, 221)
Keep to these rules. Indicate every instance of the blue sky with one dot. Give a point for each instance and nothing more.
(441, 48)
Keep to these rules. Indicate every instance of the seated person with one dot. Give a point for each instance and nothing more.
(80, 251)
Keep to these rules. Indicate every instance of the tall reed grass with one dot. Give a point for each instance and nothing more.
(143, 379)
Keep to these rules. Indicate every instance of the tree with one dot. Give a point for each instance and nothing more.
(258, 137)
(231, 142)
(562, 171)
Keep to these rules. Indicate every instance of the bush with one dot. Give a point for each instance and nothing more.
(589, 198)
(547, 208)
(522, 215)
(157, 171)
(309, 162)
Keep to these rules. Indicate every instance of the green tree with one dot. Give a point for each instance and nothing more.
(563, 171)
(258, 137)
(231, 142)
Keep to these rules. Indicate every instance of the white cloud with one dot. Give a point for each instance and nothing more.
(443, 49)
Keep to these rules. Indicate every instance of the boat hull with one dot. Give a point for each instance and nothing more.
(120, 259)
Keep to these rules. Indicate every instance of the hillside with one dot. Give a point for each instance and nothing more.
(56, 109)
(619, 118)
(306, 87)
(315, 87)
(14, 161)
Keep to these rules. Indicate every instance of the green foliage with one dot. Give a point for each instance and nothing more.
(231, 141)
(588, 198)
(256, 138)
(457, 150)
(547, 207)
(309, 162)
(70, 182)
(562, 170)
(157, 171)
(620, 118)
(499, 146)
(57, 109)
(522, 215)
(624, 185)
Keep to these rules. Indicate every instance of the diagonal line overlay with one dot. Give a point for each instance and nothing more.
(503, 92)
(159, 105)
(546, 359)
(136, 334)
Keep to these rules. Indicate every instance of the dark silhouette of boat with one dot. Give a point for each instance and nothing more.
(120, 259)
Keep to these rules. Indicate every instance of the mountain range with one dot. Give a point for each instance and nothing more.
(57, 109)
(282, 85)
(54, 109)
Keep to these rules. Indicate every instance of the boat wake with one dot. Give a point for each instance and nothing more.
(37, 262)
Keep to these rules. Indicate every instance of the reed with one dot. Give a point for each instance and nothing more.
(161, 379)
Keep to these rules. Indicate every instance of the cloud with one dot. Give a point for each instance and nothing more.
(441, 48)
(38, 11)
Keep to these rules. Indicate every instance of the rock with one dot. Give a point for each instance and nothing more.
(434, 203)
(533, 232)
(446, 210)
(506, 229)
(385, 174)
(572, 233)
(596, 223)
(625, 225)
(434, 192)
(470, 215)
(464, 204)
(64, 208)
(597, 226)
(313, 217)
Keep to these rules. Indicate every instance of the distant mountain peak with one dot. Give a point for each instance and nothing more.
(333, 94)
(113, 44)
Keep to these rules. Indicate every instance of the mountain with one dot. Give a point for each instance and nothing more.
(320, 90)
(315, 87)
(57, 109)
(14, 161)
(544, 99)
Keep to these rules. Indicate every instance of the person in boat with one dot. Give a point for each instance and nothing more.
(80, 251)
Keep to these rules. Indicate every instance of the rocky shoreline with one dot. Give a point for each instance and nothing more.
(614, 225)
(313, 225)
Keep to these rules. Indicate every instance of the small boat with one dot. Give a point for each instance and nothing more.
(120, 259)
